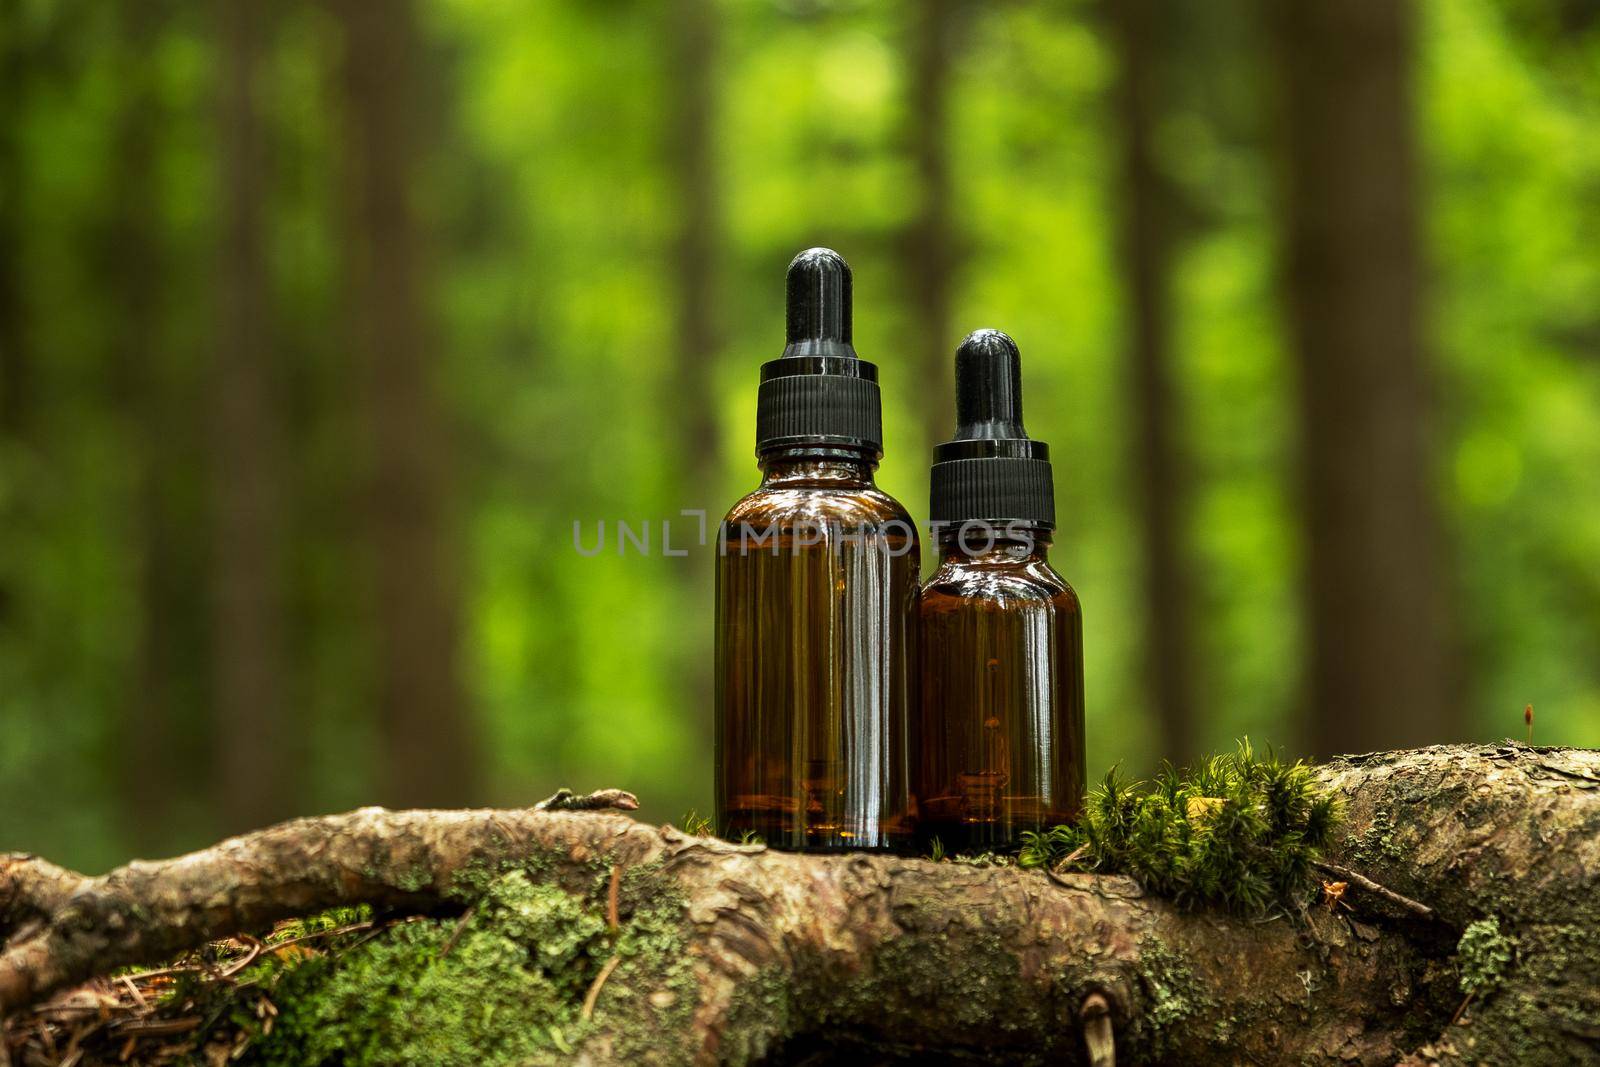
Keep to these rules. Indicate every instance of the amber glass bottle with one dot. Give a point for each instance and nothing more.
(1000, 632)
(816, 601)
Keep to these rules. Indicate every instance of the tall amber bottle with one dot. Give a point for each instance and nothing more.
(816, 600)
(1000, 632)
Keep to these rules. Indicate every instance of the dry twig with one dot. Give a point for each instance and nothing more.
(613, 918)
(455, 935)
(1357, 878)
(599, 980)
(599, 800)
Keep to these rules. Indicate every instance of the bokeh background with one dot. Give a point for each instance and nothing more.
(322, 323)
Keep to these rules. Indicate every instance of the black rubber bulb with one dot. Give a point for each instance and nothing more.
(988, 388)
(818, 308)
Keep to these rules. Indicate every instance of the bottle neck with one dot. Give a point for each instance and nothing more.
(815, 466)
(1001, 545)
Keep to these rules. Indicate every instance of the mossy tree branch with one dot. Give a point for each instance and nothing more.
(897, 954)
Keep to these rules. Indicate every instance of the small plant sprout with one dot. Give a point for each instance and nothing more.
(697, 825)
(1527, 717)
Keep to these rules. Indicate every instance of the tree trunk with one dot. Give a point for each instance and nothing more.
(1147, 203)
(15, 383)
(1353, 279)
(929, 243)
(253, 762)
(428, 755)
(16, 369)
(695, 253)
(148, 752)
(885, 957)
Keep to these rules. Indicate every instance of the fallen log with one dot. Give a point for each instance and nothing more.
(1465, 939)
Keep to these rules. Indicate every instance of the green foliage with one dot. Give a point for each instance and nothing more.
(700, 826)
(1484, 955)
(697, 825)
(1239, 832)
(552, 200)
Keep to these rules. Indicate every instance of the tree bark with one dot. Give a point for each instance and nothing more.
(428, 744)
(1147, 202)
(888, 956)
(1353, 280)
(148, 748)
(253, 761)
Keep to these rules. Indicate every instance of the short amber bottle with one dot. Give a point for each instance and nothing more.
(816, 600)
(1000, 631)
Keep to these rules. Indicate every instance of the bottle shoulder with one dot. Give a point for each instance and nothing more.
(960, 583)
(856, 506)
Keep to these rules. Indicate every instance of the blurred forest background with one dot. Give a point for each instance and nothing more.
(323, 321)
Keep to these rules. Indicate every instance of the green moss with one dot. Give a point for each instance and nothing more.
(506, 987)
(1484, 955)
(511, 982)
(1241, 831)
(472, 881)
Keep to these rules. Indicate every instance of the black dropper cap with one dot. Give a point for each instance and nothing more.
(819, 392)
(991, 471)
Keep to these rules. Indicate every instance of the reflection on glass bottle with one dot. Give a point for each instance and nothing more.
(1000, 632)
(816, 601)
(982, 785)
